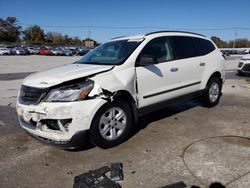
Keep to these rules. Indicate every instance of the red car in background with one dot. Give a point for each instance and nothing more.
(45, 51)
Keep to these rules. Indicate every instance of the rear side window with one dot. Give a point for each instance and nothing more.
(183, 47)
(203, 46)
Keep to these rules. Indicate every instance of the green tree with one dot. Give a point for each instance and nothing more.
(66, 39)
(220, 43)
(241, 43)
(49, 37)
(10, 30)
(77, 41)
(57, 39)
(34, 35)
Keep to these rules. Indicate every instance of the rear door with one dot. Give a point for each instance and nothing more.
(192, 64)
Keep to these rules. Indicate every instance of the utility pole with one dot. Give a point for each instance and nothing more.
(235, 34)
(31, 35)
(89, 39)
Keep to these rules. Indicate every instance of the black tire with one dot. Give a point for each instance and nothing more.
(206, 99)
(97, 138)
(240, 73)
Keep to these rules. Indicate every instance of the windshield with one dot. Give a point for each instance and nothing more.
(110, 53)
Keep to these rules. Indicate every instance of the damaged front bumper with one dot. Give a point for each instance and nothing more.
(77, 140)
(58, 123)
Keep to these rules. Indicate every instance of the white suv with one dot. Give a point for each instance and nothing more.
(244, 65)
(104, 92)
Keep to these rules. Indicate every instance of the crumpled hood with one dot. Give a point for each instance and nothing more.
(62, 74)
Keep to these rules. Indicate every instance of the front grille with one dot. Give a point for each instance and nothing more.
(246, 68)
(31, 95)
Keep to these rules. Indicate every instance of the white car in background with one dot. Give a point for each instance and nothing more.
(56, 51)
(18, 51)
(4, 51)
(244, 65)
(31, 50)
(102, 95)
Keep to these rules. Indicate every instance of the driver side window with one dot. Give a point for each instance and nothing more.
(158, 49)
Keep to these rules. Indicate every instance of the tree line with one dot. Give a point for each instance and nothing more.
(12, 32)
(237, 43)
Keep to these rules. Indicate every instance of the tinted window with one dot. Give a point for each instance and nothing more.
(183, 47)
(203, 46)
(159, 49)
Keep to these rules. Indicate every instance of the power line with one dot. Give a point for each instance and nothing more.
(139, 27)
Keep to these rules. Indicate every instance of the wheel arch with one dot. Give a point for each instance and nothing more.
(216, 74)
(127, 97)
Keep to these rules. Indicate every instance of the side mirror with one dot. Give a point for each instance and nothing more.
(145, 60)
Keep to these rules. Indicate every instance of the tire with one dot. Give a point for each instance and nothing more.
(240, 73)
(212, 92)
(105, 130)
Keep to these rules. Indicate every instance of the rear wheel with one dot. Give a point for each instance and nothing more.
(240, 73)
(212, 92)
(111, 125)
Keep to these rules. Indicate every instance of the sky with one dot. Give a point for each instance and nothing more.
(106, 19)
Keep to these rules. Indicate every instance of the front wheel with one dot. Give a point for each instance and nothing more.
(212, 92)
(111, 125)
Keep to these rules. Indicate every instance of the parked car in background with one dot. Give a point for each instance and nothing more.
(4, 51)
(27, 52)
(56, 51)
(244, 65)
(82, 52)
(18, 51)
(37, 50)
(73, 50)
(31, 50)
(45, 51)
(66, 52)
(101, 95)
(10, 47)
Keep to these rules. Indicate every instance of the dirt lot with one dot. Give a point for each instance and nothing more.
(184, 142)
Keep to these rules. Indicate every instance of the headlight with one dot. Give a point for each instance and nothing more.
(69, 93)
(240, 64)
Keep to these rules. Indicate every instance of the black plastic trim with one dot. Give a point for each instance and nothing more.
(76, 141)
(170, 90)
(164, 104)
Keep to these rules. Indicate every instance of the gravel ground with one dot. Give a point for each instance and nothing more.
(184, 142)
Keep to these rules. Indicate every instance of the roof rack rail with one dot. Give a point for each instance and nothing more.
(174, 31)
(118, 37)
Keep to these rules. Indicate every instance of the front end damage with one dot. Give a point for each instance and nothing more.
(58, 123)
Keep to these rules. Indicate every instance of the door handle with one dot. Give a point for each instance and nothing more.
(202, 64)
(174, 69)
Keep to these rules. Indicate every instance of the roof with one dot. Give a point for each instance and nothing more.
(137, 37)
(186, 32)
(133, 37)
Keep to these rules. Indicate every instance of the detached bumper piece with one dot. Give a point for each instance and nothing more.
(98, 179)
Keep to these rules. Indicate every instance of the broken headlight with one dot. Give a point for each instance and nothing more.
(70, 93)
(240, 64)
